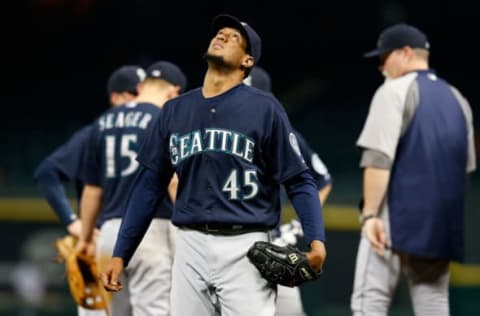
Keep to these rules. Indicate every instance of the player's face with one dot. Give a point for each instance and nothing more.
(229, 45)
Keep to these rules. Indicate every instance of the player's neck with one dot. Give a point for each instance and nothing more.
(217, 82)
(158, 98)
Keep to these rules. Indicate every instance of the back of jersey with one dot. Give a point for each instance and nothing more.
(111, 155)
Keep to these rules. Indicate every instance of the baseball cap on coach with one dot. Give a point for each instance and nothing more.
(398, 36)
(169, 72)
(254, 43)
(125, 79)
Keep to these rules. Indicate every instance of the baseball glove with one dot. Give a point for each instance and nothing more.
(82, 274)
(286, 266)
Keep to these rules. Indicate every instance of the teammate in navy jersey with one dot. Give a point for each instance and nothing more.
(110, 168)
(64, 164)
(232, 147)
(289, 301)
(417, 148)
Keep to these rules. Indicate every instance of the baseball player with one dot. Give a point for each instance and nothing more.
(289, 302)
(109, 171)
(64, 164)
(232, 147)
(417, 147)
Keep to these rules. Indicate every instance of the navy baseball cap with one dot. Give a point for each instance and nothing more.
(125, 79)
(254, 43)
(398, 36)
(259, 79)
(169, 72)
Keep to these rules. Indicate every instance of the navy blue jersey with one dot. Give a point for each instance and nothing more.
(317, 168)
(64, 164)
(69, 158)
(111, 156)
(231, 153)
(429, 175)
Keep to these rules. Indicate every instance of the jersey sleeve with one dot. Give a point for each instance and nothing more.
(317, 168)
(282, 151)
(91, 167)
(154, 151)
(383, 126)
(69, 157)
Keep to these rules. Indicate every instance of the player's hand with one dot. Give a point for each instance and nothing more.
(75, 228)
(317, 255)
(111, 274)
(85, 248)
(374, 229)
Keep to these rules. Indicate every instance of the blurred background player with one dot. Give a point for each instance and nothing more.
(110, 168)
(289, 301)
(64, 164)
(417, 148)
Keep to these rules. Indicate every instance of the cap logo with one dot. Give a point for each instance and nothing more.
(141, 74)
(156, 73)
(427, 45)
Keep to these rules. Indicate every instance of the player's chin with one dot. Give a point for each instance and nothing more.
(214, 58)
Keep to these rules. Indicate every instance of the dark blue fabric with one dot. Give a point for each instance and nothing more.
(64, 164)
(303, 193)
(49, 183)
(111, 156)
(321, 180)
(426, 191)
(231, 153)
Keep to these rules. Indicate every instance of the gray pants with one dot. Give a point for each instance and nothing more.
(213, 276)
(88, 312)
(147, 278)
(377, 277)
(289, 302)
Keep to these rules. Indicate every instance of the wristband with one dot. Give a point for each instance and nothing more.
(364, 218)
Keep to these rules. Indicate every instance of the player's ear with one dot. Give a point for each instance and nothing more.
(247, 61)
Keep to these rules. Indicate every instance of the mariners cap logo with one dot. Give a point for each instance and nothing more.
(141, 74)
(156, 73)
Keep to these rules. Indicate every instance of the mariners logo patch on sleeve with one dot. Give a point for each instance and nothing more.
(294, 143)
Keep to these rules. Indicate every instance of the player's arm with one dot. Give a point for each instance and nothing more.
(173, 187)
(375, 182)
(147, 190)
(292, 171)
(303, 194)
(324, 192)
(49, 182)
(90, 206)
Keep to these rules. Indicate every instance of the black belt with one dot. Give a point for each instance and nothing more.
(227, 229)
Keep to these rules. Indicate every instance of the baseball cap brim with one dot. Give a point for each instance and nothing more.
(376, 52)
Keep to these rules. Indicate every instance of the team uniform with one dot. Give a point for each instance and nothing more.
(65, 164)
(114, 142)
(289, 301)
(424, 126)
(231, 153)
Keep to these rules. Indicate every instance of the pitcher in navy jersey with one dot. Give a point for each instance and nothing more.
(64, 164)
(232, 147)
(417, 148)
(110, 168)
